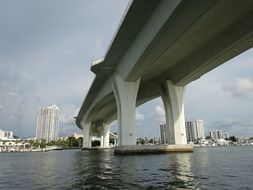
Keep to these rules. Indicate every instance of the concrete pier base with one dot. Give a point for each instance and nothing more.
(96, 148)
(152, 149)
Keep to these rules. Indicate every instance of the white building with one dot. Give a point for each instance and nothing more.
(194, 130)
(5, 135)
(163, 133)
(216, 134)
(48, 124)
(225, 135)
(77, 135)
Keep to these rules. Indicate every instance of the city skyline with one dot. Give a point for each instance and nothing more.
(45, 59)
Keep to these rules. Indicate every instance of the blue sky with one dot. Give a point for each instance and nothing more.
(46, 49)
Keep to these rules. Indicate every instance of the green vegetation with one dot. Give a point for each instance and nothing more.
(65, 143)
(141, 141)
(233, 139)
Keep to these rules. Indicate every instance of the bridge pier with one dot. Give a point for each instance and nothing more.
(173, 100)
(86, 134)
(106, 137)
(125, 94)
(172, 96)
(104, 130)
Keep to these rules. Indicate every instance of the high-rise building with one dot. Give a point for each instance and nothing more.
(163, 133)
(225, 135)
(48, 123)
(194, 130)
(4, 135)
(216, 134)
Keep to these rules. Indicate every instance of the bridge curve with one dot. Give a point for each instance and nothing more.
(160, 47)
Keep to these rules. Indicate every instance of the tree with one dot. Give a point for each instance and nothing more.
(140, 141)
(232, 138)
(43, 143)
(80, 141)
(36, 143)
(151, 141)
(51, 143)
(73, 142)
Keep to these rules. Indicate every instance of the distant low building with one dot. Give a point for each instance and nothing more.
(77, 135)
(222, 142)
(5, 135)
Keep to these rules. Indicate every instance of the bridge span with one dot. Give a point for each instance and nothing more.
(159, 47)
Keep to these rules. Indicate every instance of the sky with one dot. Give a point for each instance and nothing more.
(46, 49)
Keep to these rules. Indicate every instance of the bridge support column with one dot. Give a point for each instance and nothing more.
(102, 140)
(104, 129)
(125, 94)
(106, 137)
(115, 142)
(86, 135)
(173, 100)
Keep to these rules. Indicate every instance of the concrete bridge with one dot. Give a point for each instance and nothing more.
(159, 48)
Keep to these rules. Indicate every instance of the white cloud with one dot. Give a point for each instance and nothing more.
(67, 118)
(139, 116)
(99, 45)
(239, 87)
(160, 114)
(160, 111)
(243, 86)
(67, 121)
(13, 94)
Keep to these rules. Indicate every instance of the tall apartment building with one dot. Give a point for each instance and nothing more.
(163, 133)
(225, 135)
(4, 135)
(194, 130)
(48, 123)
(216, 134)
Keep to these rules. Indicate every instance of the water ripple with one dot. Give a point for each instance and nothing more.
(206, 168)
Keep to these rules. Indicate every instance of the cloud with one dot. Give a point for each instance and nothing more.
(234, 127)
(100, 46)
(160, 111)
(160, 114)
(20, 106)
(67, 114)
(68, 119)
(139, 116)
(67, 122)
(12, 93)
(243, 86)
(45, 59)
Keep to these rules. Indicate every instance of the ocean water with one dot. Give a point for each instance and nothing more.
(206, 168)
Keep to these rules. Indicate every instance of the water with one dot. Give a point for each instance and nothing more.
(206, 168)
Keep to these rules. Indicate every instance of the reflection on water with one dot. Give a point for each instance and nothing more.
(103, 169)
(206, 168)
(181, 173)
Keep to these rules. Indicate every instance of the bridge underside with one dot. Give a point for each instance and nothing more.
(159, 48)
